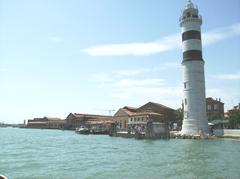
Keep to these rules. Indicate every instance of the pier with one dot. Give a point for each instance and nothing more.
(151, 130)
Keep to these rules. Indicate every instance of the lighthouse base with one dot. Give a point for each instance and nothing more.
(194, 127)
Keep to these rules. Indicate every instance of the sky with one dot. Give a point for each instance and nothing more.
(91, 56)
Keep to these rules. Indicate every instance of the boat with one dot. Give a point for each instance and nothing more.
(3, 177)
(82, 130)
(99, 130)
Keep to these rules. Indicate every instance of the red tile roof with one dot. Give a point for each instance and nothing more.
(89, 115)
(211, 100)
(128, 112)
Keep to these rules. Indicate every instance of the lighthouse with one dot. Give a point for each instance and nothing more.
(194, 117)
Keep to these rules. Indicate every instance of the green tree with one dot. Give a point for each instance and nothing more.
(179, 117)
(234, 118)
(214, 117)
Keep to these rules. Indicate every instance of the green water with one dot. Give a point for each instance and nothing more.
(44, 154)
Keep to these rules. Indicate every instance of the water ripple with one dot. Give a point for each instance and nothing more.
(40, 154)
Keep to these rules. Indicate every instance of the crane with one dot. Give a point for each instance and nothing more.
(106, 110)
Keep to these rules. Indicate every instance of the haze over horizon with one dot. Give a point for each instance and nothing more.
(58, 57)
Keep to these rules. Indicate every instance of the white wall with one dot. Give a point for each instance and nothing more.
(227, 132)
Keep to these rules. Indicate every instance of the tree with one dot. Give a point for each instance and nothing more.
(179, 117)
(234, 118)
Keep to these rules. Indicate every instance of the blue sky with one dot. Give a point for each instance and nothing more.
(58, 57)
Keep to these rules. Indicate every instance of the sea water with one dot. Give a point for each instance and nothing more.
(56, 154)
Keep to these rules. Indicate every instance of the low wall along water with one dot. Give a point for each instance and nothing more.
(227, 132)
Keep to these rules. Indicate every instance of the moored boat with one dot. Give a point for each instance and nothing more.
(82, 130)
(3, 177)
(99, 131)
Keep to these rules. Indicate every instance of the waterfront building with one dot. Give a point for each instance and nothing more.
(167, 112)
(56, 124)
(36, 124)
(122, 115)
(2, 124)
(152, 124)
(46, 123)
(75, 120)
(195, 117)
(215, 109)
(138, 119)
(100, 125)
(141, 119)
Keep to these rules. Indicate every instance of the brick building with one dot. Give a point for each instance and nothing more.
(124, 115)
(168, 113)
(142, 118)
(75, 120)
(215, 108)
(46, 123)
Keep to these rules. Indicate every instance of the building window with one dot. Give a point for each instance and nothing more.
(209, 107)
(215, 107)
(185, 101)
(221, 107)
(185, 85)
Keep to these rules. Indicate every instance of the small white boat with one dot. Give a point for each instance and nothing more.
(3, 177)
(82, 130)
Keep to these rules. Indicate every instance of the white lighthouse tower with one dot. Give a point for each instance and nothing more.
(195, 118)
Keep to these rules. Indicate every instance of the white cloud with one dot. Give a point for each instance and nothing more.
(131, 72)
(170, 65)
(140, 82)
(101, 77)
(165, 44)
(124, 87)
(211, 37)
(220, 34)
(105, 78)
(123, 83)
(167, 95)
(136, 49)
(163, 91)
(55, 39)
(121, 95)
(161, 67)
(3, 69)
(233, 76)
(6, 70)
